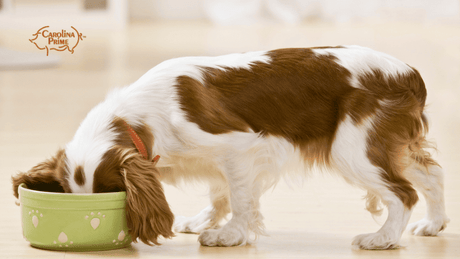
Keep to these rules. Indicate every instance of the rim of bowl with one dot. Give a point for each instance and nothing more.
(34, 194)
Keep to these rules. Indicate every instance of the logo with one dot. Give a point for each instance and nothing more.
(48, 39)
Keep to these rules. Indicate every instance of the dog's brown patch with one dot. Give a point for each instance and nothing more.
(297, 95)
(79, 176)
(107, 176)
(206, 106)
(48, 176)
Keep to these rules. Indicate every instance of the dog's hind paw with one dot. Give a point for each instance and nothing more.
(427, 227)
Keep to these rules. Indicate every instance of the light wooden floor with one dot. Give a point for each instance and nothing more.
(41, 109)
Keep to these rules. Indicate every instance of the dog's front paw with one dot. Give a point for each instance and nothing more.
(427, 227)
(222, 237)
(375, 241)
(194, 225)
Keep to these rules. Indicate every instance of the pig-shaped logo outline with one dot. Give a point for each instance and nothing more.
(59, 44)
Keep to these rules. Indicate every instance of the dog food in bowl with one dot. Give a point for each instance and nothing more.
(74, 222)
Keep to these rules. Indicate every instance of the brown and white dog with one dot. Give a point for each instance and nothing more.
(241, 122)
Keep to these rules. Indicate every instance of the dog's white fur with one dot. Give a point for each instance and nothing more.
(240, 166)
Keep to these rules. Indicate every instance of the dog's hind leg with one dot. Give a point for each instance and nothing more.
(372, 167)
(427, 177)
(389, 235)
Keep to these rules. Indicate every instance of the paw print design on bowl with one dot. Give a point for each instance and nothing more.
(35, 217)
(96, 219)
(62, 240)
(121, 239)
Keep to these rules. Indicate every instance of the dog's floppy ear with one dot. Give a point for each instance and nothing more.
(147, 211)
(47, 176)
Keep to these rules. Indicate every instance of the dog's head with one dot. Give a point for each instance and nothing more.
(109, 162)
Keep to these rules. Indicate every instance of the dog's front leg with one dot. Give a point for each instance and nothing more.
(209, 217)
(241, 183)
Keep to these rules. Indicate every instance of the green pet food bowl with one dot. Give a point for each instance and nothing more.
(74, 222)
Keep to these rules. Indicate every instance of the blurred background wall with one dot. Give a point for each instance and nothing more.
(118, 13)
(230, 12)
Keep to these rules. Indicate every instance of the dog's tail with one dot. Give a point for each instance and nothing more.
(418, 148)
